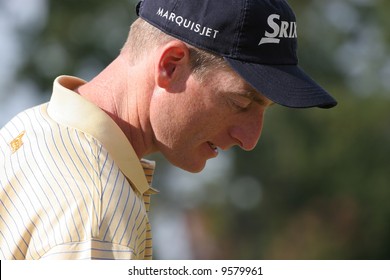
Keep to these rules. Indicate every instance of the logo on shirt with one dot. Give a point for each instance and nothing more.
(17, 142)
(280, 29)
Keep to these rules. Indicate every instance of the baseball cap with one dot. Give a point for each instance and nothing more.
(258, 39)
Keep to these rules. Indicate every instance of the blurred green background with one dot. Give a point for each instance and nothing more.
(318, 184)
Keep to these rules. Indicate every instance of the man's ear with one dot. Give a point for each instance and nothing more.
(173, 65)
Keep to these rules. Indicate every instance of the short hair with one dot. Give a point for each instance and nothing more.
(143, 37)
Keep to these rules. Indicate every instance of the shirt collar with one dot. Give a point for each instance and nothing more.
(69, 108)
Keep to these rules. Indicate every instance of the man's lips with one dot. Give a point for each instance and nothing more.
(213, 147)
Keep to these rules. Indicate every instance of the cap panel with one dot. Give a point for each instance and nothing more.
(269, 33)
(203, 23)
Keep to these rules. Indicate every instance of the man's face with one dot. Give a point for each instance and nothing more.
(191, 124)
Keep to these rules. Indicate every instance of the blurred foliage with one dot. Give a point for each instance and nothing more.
(324, 174)
(80, 38)
(326, 180)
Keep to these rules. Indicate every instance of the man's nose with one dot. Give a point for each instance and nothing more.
(247, 133)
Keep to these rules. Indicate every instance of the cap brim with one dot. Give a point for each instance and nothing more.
(287, 85)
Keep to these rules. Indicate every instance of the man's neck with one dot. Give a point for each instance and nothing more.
(110, 90)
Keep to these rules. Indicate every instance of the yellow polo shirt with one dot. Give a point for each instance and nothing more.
(71, 185)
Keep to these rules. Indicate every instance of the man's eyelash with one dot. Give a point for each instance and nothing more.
(238, 106)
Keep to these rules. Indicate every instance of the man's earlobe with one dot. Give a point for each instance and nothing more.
(163, 79)
(164, 76)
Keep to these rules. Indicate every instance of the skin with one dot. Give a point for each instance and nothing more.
(161, 106)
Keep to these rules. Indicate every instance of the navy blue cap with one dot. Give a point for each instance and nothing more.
(258, 38)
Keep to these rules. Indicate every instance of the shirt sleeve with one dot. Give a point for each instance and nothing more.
(90, 250)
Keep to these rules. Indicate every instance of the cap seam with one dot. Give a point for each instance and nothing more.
(173, 11)
(240, 24)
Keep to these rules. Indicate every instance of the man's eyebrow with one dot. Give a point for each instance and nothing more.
(257, 97)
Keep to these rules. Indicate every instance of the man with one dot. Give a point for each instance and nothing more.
(193, 78)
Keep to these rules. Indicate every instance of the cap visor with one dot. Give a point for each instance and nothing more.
(286, 85)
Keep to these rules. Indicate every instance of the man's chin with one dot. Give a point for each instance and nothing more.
(193, 167)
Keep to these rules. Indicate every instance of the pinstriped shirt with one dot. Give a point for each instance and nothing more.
(71, 185)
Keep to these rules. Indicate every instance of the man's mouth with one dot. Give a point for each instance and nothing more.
(213, 147)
